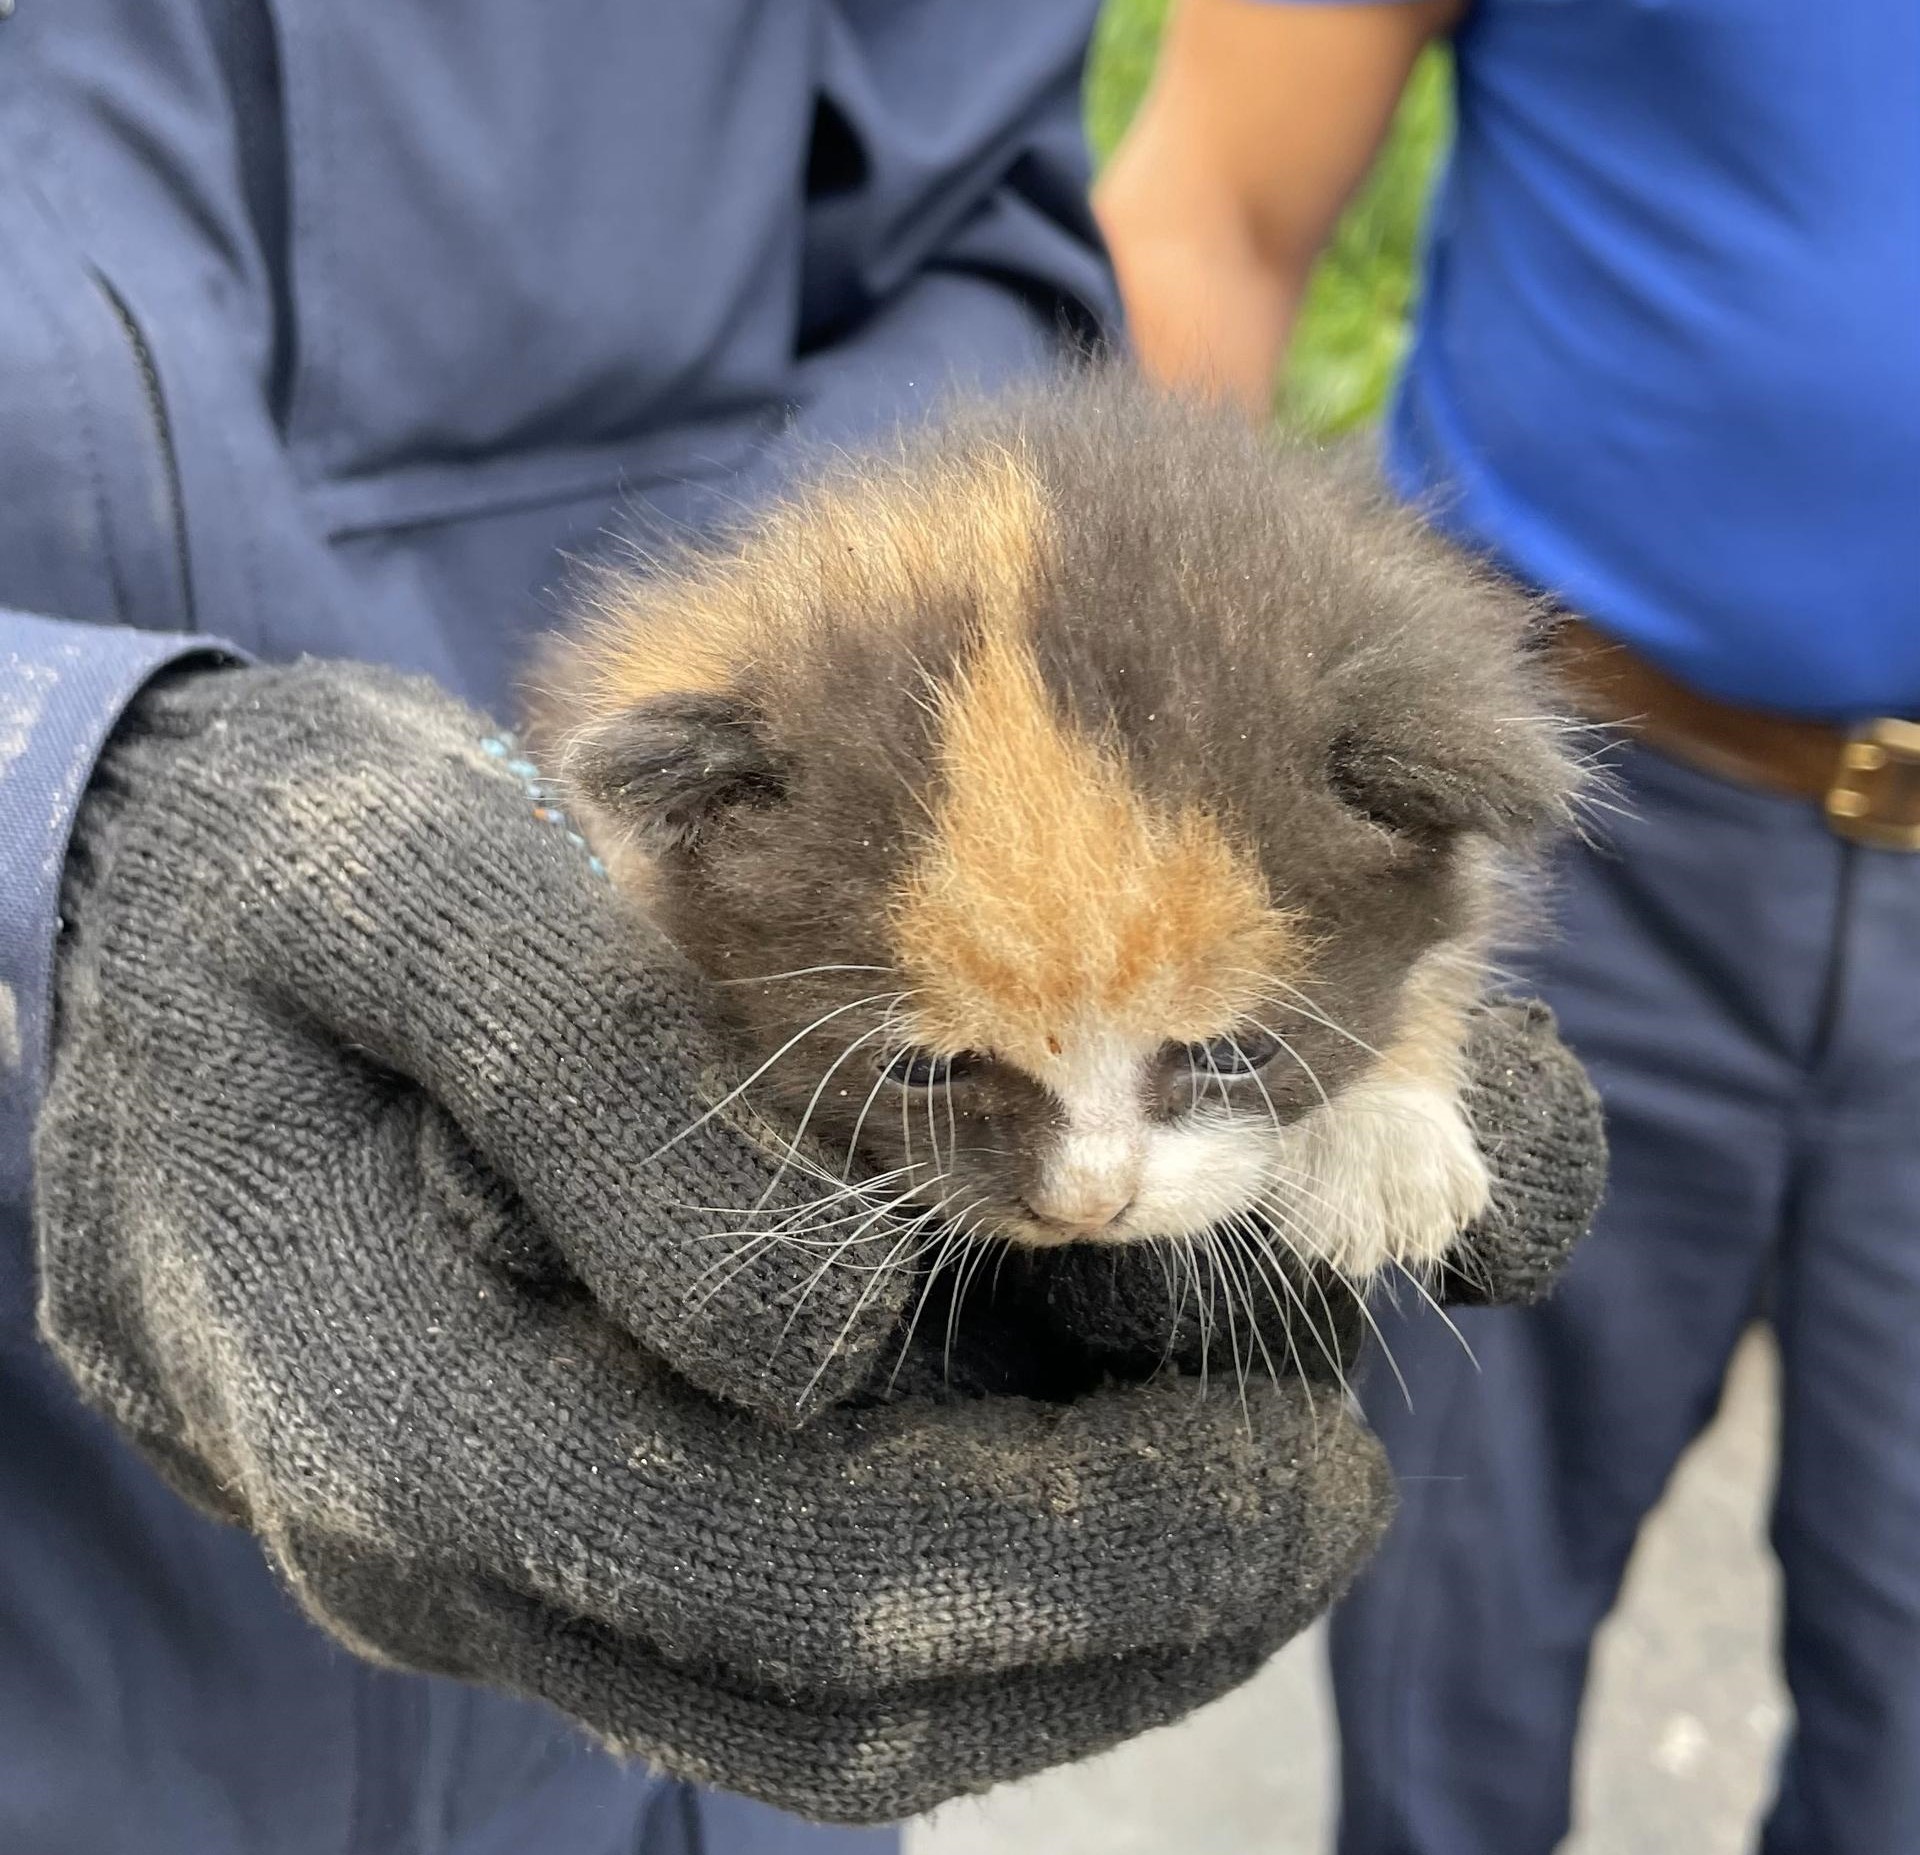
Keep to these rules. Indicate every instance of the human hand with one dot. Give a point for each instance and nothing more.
(364, 1199)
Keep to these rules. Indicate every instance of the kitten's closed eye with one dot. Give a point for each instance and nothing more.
(1244, 1053)
(927, 1069)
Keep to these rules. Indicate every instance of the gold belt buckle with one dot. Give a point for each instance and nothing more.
(1875, 795)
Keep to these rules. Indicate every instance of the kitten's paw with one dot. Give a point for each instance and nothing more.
(1393, 1176)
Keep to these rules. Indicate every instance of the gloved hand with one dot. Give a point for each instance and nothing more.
(361, 1210)
(1540, 1124)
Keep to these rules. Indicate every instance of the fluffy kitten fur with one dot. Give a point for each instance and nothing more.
(1093, 812)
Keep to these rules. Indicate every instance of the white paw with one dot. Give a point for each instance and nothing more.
(1390, 1173)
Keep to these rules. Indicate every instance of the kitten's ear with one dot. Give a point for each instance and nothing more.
(666, 769)
(1510, 782)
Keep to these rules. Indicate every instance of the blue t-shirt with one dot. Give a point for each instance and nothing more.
(1668, 361)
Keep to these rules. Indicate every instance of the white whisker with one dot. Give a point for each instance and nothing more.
(798, 972)
(733, 1094)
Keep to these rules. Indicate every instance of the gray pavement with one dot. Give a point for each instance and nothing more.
(1682, 1718)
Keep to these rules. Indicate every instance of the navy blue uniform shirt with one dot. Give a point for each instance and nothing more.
(330, 330)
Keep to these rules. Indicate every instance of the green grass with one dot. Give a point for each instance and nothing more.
(1354, 326)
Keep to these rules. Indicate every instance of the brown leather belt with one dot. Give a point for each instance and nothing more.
(1865, 778)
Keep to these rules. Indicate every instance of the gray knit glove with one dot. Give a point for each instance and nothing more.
(353, 1214)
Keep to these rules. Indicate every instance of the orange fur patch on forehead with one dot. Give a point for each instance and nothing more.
(967, 531)
(1050, 898)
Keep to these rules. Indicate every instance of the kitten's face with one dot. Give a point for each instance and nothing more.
(1090, 822)
(1120, 1136)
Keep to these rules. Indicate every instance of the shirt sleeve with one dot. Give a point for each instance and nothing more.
(63, 686)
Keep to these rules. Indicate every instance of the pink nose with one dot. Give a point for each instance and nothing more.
(1078, 1216)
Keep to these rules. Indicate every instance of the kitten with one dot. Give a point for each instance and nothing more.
(1093, 813)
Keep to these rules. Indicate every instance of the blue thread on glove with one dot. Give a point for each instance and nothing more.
(501, 747)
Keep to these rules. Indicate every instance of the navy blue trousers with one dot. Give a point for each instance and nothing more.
(1745, 990)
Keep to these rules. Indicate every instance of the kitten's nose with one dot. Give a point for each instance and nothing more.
(1079, 1215)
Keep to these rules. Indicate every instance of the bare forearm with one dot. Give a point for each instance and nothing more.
(1209, 312)
(1260, 123)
